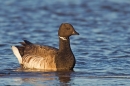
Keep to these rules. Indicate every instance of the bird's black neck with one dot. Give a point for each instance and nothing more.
(64, 44)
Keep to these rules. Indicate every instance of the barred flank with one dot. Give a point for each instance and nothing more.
(38, 62)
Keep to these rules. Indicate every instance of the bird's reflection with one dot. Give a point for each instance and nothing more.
(39, 78)
(64, 76)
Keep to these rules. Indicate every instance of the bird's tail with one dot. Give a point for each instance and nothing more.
(17, 54)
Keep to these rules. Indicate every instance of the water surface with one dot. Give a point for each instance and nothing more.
(102, 49)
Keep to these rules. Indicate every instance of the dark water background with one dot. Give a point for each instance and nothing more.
(102, 49)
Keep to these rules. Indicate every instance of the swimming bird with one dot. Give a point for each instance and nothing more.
(33, 56)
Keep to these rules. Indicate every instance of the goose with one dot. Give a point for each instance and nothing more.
(33, 56)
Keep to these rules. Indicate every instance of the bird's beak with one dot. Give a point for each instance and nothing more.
(75, 33)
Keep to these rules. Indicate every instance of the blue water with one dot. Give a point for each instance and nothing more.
(102, 49)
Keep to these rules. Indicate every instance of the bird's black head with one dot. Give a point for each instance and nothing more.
(66, 30)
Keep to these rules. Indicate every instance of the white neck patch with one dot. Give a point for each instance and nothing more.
(63, 38)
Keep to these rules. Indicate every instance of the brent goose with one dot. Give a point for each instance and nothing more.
(34, 56)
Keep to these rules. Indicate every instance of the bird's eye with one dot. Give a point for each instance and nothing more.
(68, 28)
